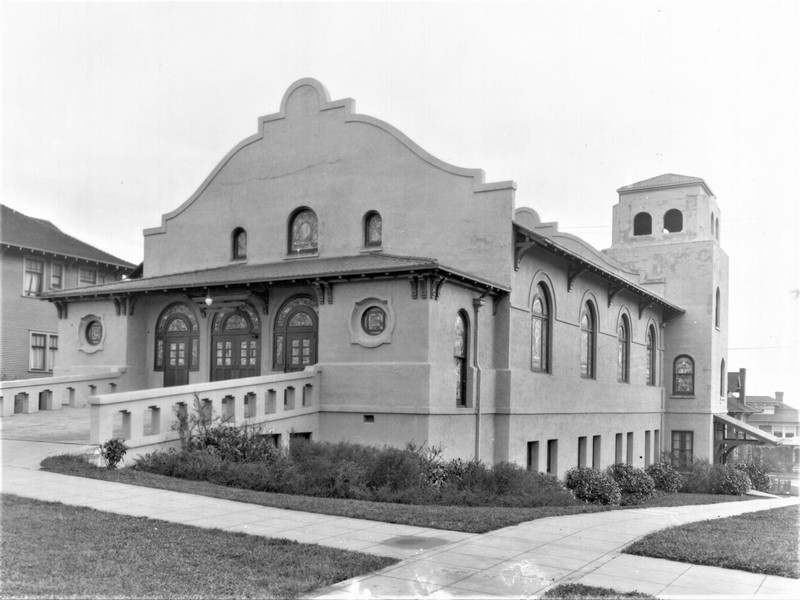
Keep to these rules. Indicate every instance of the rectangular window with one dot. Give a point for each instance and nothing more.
(629, 450)
(56, 276)
(43, 350)
(552, 456)
(87, 276)
(618, 448)
(682, 449)
(34, 274)
(582, 451)
(647, 448)
(596, 452)
(533, 456)
(657, 445)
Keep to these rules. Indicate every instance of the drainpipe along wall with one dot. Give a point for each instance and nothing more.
(477, 303)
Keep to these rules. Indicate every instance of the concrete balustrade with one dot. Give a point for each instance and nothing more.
(149, 416)
(51, 393)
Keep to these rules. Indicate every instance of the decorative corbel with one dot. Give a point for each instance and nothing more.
(572, 272)
(61, 307)
(328, 289)
(436, 286)
(522, 248)
(320, 292)
(414, 286)
(131, 304)
(643, 304)
(613, 290)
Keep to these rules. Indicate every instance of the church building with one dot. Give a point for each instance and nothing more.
(426, 307)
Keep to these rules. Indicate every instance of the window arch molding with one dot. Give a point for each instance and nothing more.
(589, 323)
(541, 308)
(302, 232)
(642, 224)
(239, 244)
(651, 341)
(624, 344)
(542, 278)
(372, 230)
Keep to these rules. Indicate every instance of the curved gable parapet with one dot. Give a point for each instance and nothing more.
(590, 253)
(308, 96)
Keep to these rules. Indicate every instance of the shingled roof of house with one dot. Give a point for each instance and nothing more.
(21, 231)
(667, 180)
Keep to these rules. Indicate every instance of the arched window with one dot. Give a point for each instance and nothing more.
(460, 354)
(177, 344)
(239, 243)
(642, 224)
(295, 335)
(683, 376)
(717, 228)
(723, 379)
(303, 231)
(540, 330)
(717, 309)
(650, 373)
(588, 333)
(713, 227)
(673, 221)
(373, 229)
(623, 350)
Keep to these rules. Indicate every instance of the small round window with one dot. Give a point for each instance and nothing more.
(94, 333)
(373, 321)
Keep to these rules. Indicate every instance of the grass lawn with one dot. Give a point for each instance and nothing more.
(58, 551)
(761, 542)
(455, 518)
(578, 591)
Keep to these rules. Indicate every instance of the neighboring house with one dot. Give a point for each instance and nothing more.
(433, 311)
(775, 417)
(36, 257)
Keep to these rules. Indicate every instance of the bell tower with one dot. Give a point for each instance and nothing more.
(668, 227)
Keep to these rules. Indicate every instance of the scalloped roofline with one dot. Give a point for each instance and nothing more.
(325, 104)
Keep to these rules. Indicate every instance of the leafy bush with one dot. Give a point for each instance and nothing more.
(635, 485)
(665, 477)
(726, 479)
(698, 479)
(591, 485)
(113, 452)
(758, 475)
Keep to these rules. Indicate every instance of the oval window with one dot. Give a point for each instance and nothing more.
(373, 321)
(94, 333)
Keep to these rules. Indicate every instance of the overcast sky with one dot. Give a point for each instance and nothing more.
(114, 113)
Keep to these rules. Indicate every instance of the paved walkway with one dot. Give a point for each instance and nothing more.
(517, 562)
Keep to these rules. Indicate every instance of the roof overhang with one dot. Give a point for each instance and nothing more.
(259, 277)
(527, 239)
(66, 257)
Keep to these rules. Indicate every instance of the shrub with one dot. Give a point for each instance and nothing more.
(591, 485)
(394, 469)
(758, 475)
(665, 477)
(635, 485)
(113, 451)
(726, 479)
(698, 479)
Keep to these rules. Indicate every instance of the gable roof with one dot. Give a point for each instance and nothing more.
(667, 180)
(28, 233)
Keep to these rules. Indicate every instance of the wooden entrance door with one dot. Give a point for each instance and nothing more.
(176, 369)
(235, 347)
(295, 343)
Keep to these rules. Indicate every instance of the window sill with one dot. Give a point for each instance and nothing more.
(673, 397)
(366, 249)
(239, 260)
(300, 255)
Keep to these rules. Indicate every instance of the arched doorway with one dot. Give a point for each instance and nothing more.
(235, 344)
(176, 344)
(295, 343)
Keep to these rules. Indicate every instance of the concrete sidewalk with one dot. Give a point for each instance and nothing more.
(517, 562)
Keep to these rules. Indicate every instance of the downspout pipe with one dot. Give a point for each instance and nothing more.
(477, 303)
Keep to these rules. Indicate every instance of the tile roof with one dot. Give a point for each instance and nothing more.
(344, 267)
(22, 231)
(662, 181)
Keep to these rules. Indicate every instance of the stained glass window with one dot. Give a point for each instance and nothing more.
(373, 321)
(540, 332)
(177, 321)
(683, 376)
(290, 306)
(623, 337)
(176, 309)
(303, 232)
(373, 230)
(235, 322)
(587, 342)
(460, 342)
(94, 333)
(301, 319)
(650, 375)
(177, 324)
